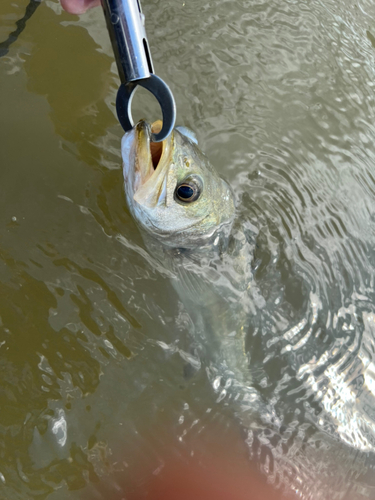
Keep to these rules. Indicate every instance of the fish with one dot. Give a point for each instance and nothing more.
(186, 213)
(189, 218)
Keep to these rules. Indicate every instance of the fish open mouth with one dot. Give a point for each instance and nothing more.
(149, 151)
(149, 154)
(151, 163)
(156, 148)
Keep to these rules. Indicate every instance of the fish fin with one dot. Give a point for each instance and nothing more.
(194, 287)
(187, 133)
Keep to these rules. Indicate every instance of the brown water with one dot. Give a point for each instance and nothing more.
(280, 94)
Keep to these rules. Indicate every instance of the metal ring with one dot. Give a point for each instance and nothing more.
(163, 94)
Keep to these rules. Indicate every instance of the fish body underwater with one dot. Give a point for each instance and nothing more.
(188, 218)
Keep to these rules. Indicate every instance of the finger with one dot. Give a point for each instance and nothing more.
(78, 6)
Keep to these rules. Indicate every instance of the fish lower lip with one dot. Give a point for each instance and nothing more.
(143, 130)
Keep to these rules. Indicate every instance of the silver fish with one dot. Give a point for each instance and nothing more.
(187, 215)
(186, 212)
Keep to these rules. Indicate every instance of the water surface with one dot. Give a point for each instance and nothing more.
(281, 96)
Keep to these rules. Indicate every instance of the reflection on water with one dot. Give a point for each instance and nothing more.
(97, 366)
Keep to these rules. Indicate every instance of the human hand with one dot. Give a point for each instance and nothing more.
(78, 6)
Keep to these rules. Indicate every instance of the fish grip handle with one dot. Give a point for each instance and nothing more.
(126, 27)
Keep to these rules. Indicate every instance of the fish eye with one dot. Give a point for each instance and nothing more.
(189, 190)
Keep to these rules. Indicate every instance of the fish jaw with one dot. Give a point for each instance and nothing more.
(137, 161)
(146, 165)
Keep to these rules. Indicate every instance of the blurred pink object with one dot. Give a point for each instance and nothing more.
(79, 6)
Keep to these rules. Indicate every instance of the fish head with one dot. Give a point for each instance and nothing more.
(172, 190)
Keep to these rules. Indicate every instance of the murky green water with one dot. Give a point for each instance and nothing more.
(281, 95)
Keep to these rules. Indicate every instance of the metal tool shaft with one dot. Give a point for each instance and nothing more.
(125, 23)
(126, 26)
